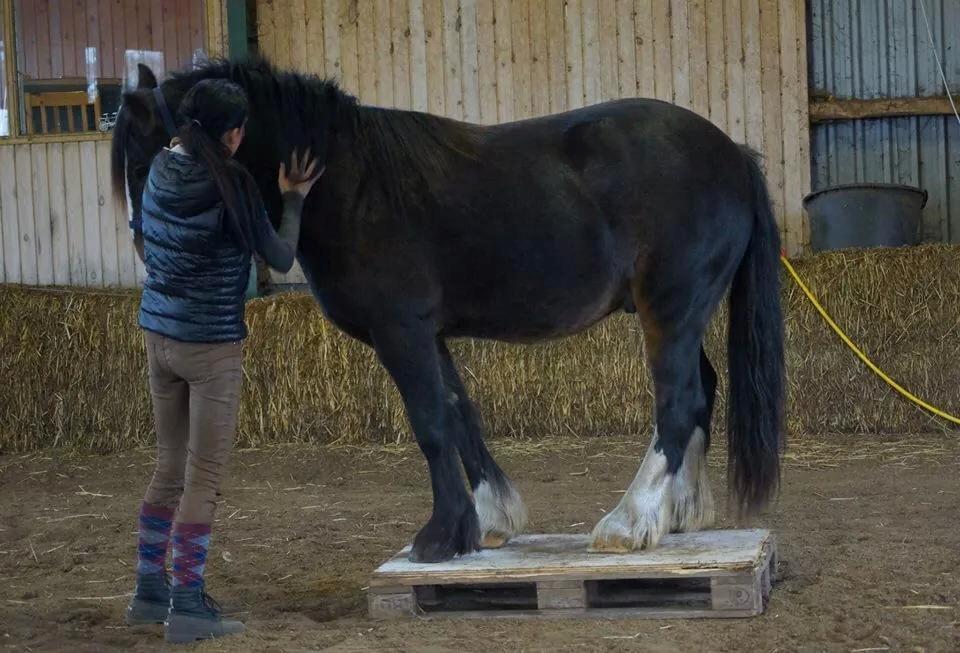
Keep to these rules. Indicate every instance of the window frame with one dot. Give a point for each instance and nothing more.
(10, 71)
(214, 25)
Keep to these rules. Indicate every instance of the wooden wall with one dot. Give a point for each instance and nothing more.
(741, 63)
(59, 222)
(52, 34)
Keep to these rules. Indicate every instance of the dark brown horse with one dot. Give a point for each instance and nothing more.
(424, 229)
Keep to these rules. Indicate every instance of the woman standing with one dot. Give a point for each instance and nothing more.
(202, 218)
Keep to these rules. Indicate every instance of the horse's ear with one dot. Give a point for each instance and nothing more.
(136, 107)
(145, 77)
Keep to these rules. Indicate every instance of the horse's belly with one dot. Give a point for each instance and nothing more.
(526, 306)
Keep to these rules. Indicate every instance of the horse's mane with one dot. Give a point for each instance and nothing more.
(402, 152)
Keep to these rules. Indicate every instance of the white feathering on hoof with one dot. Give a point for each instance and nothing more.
(644, 513)
(501, 512)
(692, 498)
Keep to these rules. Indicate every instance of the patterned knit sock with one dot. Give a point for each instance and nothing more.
(190, 544)
(155, 523)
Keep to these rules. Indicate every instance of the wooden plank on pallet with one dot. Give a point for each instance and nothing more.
(565, 557)
(561, 595)
(707, 574)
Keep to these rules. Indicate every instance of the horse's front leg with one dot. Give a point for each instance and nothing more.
(409, 353)
(499, 506)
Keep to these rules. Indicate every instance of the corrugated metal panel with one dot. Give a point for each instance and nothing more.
(880, 48)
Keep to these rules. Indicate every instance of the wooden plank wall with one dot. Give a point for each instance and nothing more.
(52, 34)
(741, 63)
(59, 221)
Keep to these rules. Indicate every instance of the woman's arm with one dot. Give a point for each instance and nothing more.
(279, 248)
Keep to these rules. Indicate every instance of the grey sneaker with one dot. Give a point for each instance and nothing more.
(150, 602)
(195, 615)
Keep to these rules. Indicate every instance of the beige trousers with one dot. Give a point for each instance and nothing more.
(195, 388)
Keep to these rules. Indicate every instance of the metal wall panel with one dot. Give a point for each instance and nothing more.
(880, 48)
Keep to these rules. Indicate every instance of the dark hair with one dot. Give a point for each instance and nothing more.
(209, 110)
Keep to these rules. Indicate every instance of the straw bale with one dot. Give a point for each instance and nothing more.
(74, 370)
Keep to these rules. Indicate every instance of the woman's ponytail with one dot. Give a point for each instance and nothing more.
(209, 110)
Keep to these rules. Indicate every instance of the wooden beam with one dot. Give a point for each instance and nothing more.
(825, 109)
(13, 92)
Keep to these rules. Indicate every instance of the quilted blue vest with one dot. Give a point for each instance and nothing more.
(196, 273)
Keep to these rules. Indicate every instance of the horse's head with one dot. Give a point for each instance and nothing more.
(138, 135)
(287, 111)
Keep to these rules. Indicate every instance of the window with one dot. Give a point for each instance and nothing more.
(72, 56)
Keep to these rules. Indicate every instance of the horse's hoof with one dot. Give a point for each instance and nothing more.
(611, 545)
(501, 512)
(494, 540)
(439, 540)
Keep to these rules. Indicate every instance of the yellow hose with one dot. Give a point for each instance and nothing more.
(856, 350)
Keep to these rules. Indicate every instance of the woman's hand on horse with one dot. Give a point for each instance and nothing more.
(302, 175)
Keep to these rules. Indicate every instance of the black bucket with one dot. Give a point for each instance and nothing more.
(864, 215)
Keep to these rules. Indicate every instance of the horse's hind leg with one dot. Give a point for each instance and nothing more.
(499, 507)
(671, 489)
(692, 497)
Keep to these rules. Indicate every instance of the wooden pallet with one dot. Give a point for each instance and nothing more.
(706, 574)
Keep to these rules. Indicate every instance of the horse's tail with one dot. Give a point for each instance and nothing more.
(755, 406)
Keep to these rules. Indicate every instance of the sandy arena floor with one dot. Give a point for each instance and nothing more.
(869, 531)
